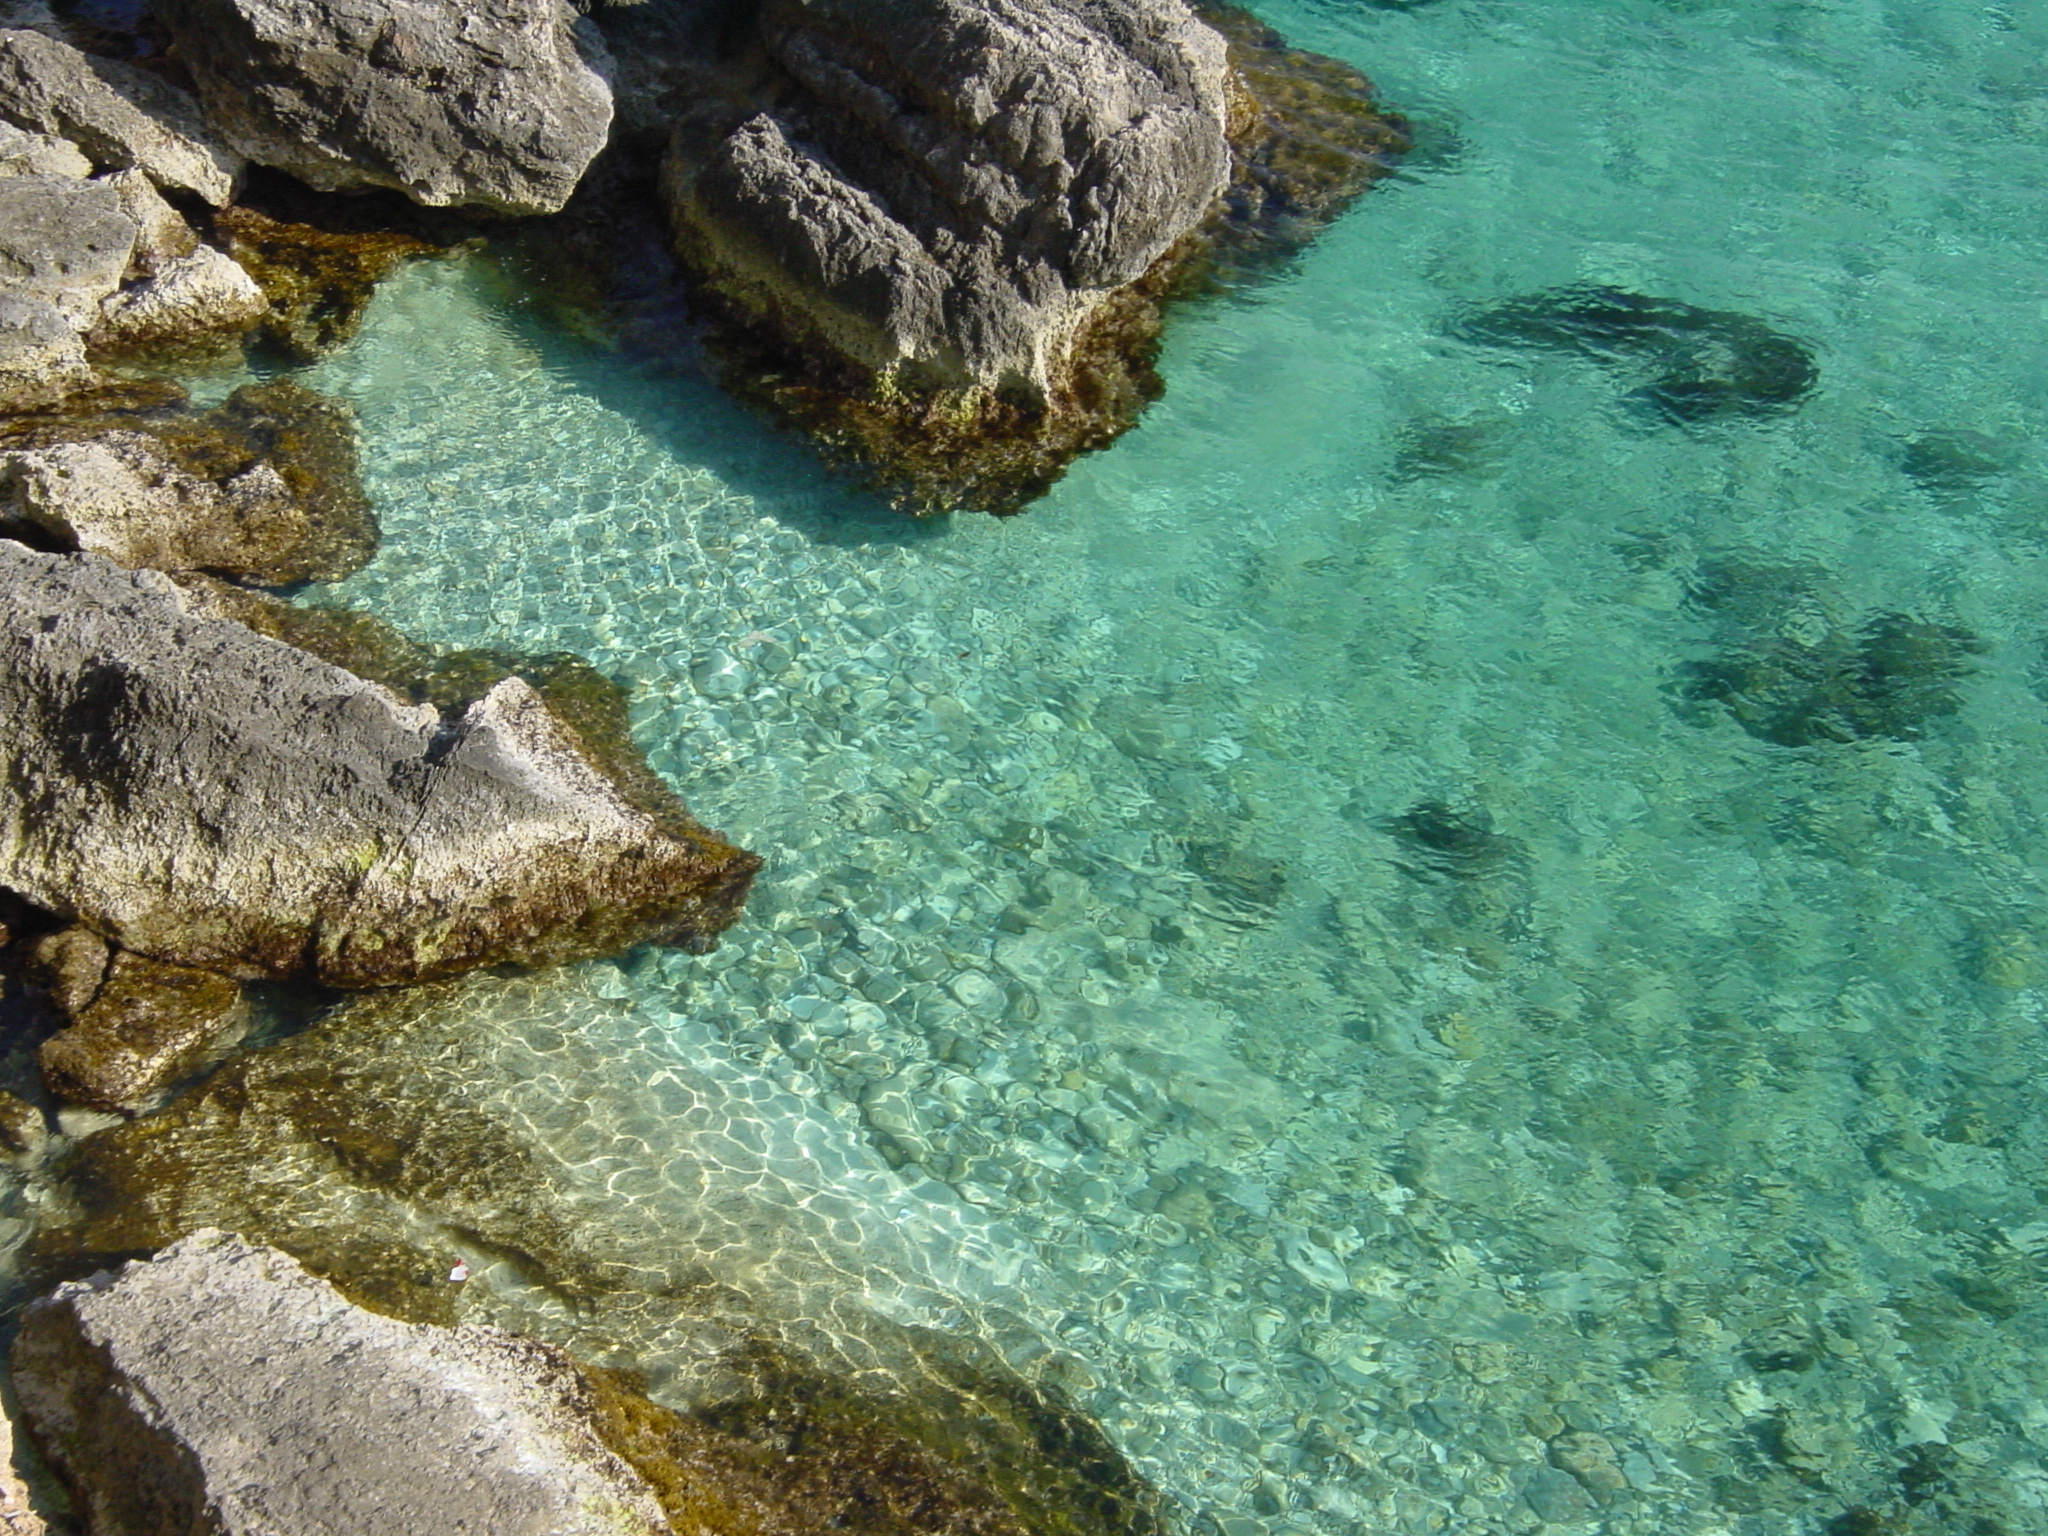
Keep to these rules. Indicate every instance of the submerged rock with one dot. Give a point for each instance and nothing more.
(1791, 670)
(207, 797)
(938, 235)
(132, 1029)
(120, 116)
(1702, 363)
(500, 104)
(219, 1387)
(378, 1142)
(267, 487)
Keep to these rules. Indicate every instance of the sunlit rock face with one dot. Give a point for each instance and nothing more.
(203, 795)
(500, 105)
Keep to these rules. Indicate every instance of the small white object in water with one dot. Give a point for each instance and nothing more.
(460, 1272)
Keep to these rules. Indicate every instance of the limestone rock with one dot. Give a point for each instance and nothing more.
(204, 293)
(23, 1131)
(220, 1388)
(17, 1516)
(42, 356)
(162, 233)
(117, 114)
(265, 488)
(40, 154)
(132, 1028)
(64, 241)
(497, 103)
(939, 234)
(961, 184)
(211, 798)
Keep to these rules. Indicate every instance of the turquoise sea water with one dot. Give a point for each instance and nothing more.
(1282, 936)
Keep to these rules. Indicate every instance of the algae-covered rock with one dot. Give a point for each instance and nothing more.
(267, 487)
(499, 104)
(208, 797)
(317, 278)
(131, 1028)
(220, 1388)
(466, 1119)
(119, 115)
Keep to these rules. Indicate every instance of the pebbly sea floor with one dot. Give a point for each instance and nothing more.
(1299, 938)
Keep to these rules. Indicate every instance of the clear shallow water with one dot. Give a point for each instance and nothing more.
(1677, 1166)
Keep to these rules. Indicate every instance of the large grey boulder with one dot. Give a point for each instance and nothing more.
(120, 116)
(951, 189)
(497, 103)
(220, 1390)
(205, 796)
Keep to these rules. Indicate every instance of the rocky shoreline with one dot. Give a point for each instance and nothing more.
(940, 237)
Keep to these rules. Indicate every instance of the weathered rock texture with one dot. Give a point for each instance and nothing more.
(266, 488)
(120, 116)
(218, 1388)
(938, 233)
(499, 104)
(132, 1028)
(207, 797)
(17, 1516)
(42, 355)
(64, 241)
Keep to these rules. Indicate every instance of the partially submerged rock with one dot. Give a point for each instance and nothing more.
(499, 104)
(131, 1028)
(266, 487)
(218, 1387)
(317, 278)
(379, 1143)
(204, 796)
(120, 116)
(939, 235)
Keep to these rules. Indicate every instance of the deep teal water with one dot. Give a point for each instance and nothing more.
(1660, 1146)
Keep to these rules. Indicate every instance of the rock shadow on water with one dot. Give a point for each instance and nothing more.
(1695, 365)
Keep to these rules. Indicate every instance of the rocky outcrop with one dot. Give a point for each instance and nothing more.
(118, 115)
(407, 1128)
(39, 154)
(210, 798)
(132, 1029)
(499, 104)
(265, 488)
(96, 266)
(941, 199)
(220, 1388)
(939, 234)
